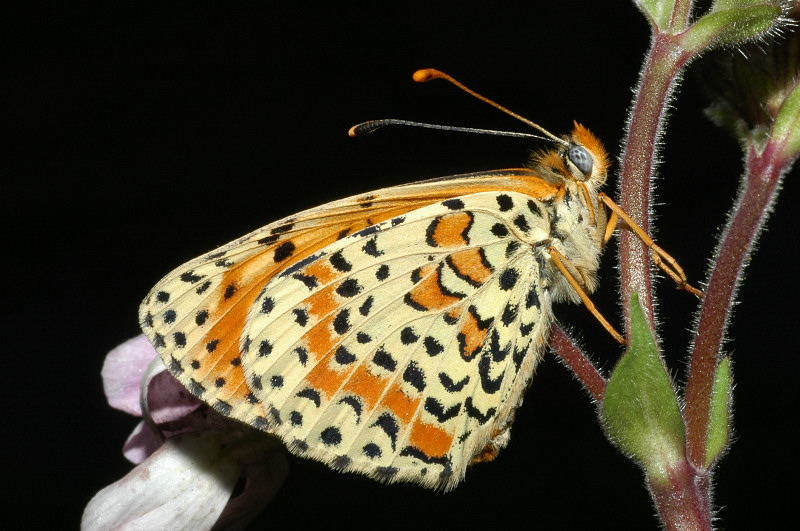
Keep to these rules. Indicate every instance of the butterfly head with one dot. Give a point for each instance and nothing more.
(585, 157)
(579, 158)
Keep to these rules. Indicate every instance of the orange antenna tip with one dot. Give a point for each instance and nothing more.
(426, 74)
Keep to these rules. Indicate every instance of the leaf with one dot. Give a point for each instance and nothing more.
(658, 12)
(787, 124)
(640, 410)
(732, 22)
(720, 413)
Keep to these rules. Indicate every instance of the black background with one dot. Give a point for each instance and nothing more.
(144, 136)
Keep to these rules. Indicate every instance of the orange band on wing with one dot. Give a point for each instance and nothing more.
(326, 380)
(366, 385)
(471, 265)
(431, 440)
(400, 403)
(428, 295)
(473, 334)
(320, 339)
(450, 230)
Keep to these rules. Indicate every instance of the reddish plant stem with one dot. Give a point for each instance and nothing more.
(664, 62)
(757, 192)
(683, 499)
(576, 360)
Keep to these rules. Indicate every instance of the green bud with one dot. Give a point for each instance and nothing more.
(640, 411)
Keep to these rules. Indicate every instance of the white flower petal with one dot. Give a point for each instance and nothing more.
(185, 484)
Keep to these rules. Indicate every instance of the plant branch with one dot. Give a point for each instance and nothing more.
(758, 189)
(566, 349)
(662, 68)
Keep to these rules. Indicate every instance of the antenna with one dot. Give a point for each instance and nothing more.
(427, 74)
(366, 128)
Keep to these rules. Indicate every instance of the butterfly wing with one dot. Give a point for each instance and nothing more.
(390, 334)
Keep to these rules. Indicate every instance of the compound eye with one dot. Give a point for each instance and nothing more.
(581, 158)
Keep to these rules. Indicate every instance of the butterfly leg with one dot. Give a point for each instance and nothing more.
(587, 201)
(564, 265)
(611, 225)
(659, 256)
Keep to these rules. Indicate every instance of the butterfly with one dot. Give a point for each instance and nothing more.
(394, 333)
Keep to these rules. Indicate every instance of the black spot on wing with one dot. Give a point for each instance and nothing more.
(283, 251)
(372, 229)
(371, 247)
(366, 307)
(532, 299)
(408, 336)
(384, 359)
(505, 202)
(180, 339)
(509, 314)
(508, 279)
(331, 436)
(222, 407)
(449, 385)
(344, 356)
(355, 403)
(413, 451)
(311, 394)
(302, 355)
(488, 384)
(436, 408)
(525, 329)
(372, 450)
(388, 424)
(432, 346)
(300, 316)
(477, 414)
(265, 348)
(522, 223)
(230, 289)
(349, 288)
(268, 240)
(339, 263)
(499, 230)
(280, 229)
(535, 209)
(453, 204)
(383, 272)
(341, 323)
(414, 376)
(191, 278)
(512, 247)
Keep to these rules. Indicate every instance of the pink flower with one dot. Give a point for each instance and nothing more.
(189, 458)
